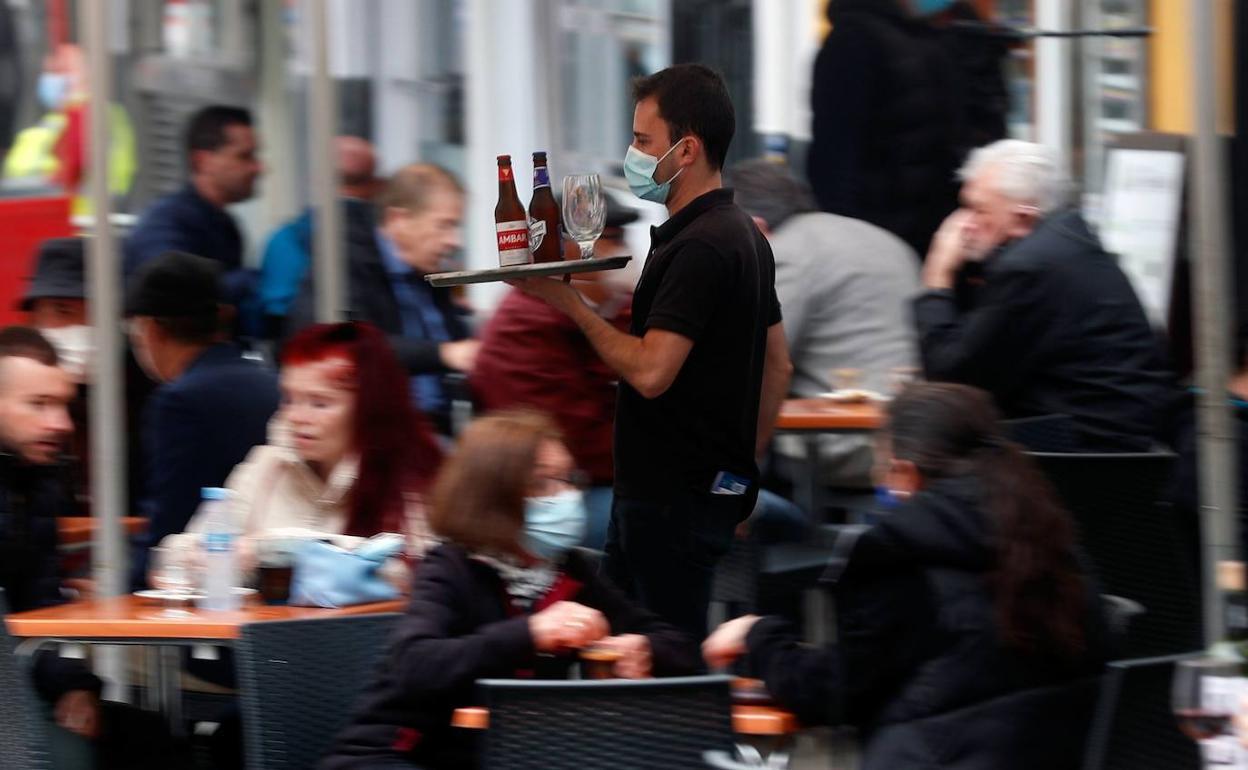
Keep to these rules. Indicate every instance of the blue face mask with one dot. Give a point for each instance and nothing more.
(52, 89)
(553, 524)
(639, 171)
(930, 7)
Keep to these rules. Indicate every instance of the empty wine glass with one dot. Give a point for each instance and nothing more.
(584, 210)
(1203, 696)
(174, 575)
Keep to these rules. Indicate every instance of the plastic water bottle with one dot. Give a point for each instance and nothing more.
(220, 571)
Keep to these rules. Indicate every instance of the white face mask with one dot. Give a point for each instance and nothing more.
(75, 346)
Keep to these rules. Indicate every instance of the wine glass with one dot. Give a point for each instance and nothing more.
(584, 210)
(1203, 696)
(174, 575)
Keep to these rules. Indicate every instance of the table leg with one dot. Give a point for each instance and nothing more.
(814, 491)
(171, 687)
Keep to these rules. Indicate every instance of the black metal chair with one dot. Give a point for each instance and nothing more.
(601, 725)
(23, 734)
(1138, 549)
(1134, 727)
(299, 680)
(1046, 433)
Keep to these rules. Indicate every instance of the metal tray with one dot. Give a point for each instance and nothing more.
(566, 267)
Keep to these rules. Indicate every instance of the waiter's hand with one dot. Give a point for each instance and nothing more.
(554, 291)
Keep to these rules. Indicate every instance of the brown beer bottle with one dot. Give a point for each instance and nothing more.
(510, 222)
(544, 239)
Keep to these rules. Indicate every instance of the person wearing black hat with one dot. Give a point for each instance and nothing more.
(57, 305)
(214, 404)
(532, 355)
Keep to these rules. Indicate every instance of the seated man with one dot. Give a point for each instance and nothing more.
(288, 252)
(34, 424)
(214, 404)
(418, 219)
(845, 286)
(1053, 326)
(533, 355)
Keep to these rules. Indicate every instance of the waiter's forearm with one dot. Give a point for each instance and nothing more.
(649, 364)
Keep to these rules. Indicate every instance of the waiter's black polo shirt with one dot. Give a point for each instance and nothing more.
(710, 276)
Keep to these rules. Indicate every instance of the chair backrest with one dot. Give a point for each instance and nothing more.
(23, 737)
(299, 680)
(1137, 547)
(1046, 433)
(578, 725)
(1134, 727)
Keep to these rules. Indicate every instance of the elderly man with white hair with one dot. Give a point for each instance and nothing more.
(1050, 324)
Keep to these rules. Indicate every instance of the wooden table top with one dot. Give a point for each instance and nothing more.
(74, 530)
(813, 415)
(746, 720)
(131, 618)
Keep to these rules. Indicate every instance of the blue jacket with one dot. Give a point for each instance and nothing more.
(195, 430)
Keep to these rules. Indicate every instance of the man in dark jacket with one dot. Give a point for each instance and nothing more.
(885, 120)
(1053, 326)
(34, 490)
(213, 406)
(419, 215)
(221, 148)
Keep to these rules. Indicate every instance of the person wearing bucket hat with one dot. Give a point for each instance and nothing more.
(213, 404)
(56, 304)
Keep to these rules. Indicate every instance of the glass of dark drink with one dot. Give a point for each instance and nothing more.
(275, 567)
(598, 662)
(1204, 695)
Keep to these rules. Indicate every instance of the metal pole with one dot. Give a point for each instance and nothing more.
(1212, 284)
(322, 121)
(1054, 80)
(106, 406)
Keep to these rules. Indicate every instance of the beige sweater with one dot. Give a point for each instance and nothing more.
(276, 493)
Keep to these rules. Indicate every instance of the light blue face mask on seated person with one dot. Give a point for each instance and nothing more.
(554, 523)
(639, 170)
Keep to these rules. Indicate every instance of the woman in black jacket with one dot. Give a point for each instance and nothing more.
(504, 596)
(967, 634)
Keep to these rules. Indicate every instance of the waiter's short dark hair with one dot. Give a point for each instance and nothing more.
(25, 342)
(206, 129)
(692, 99)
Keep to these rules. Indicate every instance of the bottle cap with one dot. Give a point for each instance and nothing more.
(1231, 575)
(504, 159)
(539, 154)
(215, 493)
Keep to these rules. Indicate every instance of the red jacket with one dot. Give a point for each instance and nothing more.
(533, 355)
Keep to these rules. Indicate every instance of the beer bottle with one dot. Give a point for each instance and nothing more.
(510, 222)
(544, 239)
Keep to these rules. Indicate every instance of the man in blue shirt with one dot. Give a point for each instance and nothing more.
(288, 252)
(418, 220)
(213, 404)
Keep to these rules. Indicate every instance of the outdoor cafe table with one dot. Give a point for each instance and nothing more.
(129, 620)
(813, 417)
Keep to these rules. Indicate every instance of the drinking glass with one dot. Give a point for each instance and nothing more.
(1203, 696)
(173, 573)
(584, 210)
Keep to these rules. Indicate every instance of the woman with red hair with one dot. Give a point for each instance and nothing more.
(348, 456)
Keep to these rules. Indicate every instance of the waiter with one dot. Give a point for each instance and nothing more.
(704, 366)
